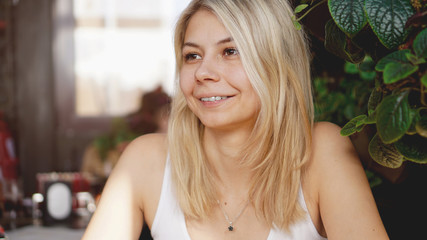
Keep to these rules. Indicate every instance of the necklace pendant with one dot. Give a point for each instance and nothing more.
(230, 223)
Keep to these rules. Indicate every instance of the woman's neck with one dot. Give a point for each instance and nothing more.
(224, 151)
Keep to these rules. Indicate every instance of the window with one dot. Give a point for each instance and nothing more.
(123, 48)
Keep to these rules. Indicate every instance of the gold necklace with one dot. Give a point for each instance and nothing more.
(231, 223)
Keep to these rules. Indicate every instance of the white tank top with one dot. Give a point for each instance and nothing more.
(169, 222)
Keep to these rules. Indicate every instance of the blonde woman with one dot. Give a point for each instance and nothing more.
(242, 159)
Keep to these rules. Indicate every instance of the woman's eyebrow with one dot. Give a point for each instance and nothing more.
(190, 44)
(223, 41)
(226, 40)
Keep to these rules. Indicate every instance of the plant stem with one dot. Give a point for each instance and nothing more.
(309, 10)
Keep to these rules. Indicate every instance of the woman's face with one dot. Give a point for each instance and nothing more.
(212, 77)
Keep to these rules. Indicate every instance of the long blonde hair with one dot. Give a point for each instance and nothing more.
(276, 60)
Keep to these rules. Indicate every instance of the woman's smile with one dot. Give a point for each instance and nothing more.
(215, 101)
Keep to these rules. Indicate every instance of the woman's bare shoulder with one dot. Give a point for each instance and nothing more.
(327, 140)
(322, 130)
(338, 180)
(146, 149)
(144, 158)
(151, 144)
(134, 185)
(330, 150)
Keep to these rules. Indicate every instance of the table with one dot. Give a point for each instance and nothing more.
(45, 233)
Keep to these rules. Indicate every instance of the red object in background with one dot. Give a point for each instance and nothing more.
(2, 233)
(2, 24)
(80, 183)
(8, 159)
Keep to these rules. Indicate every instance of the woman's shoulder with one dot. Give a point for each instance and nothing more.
(330, 147)
(145, 156)
(334, 163)
(146, 148)
(154, 142)
(331, 153)
(325, 130)
(336, 180)
(327, 140)
(143, 163)
(143, 159)
(134, 184)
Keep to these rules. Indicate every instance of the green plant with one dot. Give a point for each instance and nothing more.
(392, 33)
(119, 133)
(339, 100)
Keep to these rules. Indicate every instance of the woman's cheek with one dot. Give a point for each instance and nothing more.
(186, 74)
(184, 84)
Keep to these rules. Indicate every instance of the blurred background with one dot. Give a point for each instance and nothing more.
(79, 79)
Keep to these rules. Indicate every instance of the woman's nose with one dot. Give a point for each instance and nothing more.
(208, 70)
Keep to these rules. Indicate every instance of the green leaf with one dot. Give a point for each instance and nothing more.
(388, 18)
(393, 117)
(397, 56)
(361, 122)
(300, 7)
(369, 76)
(367, 69)
(413, 148)
(297, 25)
(384, 154)
(367, 65)
(349, 15)
(354, 125)
(350, 68)
(421, 126)
(373, 179)
(337, 43)
(414, 59)
(394, 71)
(420, 44)
(374, 99)
(372, 118)
(424, 80)
(415, 117)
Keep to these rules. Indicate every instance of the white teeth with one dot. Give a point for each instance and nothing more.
(211, 99)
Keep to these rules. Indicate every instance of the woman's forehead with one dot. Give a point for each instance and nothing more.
(205, 25)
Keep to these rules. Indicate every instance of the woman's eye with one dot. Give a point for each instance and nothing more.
(192, 56)
(231, 52)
